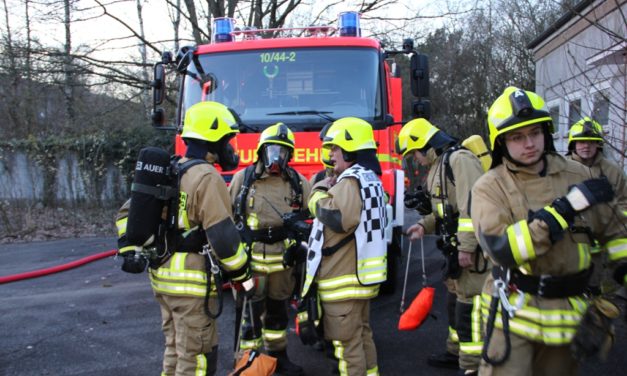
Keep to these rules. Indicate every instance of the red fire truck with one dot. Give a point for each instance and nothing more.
(305, 78)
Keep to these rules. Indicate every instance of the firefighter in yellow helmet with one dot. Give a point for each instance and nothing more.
(180, 279)
(585, 145)
(325, 159)
(347, 247)
(533, 212)
(445, 210)
(270, 210)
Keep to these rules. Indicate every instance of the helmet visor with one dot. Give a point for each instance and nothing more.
(275, 157)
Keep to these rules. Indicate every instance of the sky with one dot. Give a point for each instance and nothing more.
(95, 30)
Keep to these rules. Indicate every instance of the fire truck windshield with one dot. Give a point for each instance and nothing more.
(302, 87)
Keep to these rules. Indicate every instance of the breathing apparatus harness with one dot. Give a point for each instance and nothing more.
(446, 226)
(168, 237)
(269, 235)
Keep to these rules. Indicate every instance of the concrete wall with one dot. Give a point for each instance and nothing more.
(21, 178)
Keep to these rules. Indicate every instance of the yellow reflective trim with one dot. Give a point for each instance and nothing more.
(465, 225)
(237, 261)
(121, 225)
(520, 242)
(584, 256)
(339, 355)
(364, 292)
(273, 335)
(471, 348)
(266, 259)
(562, 222)
(266, 269)
(452, 334)
(129, 248)
(177, 261)
(252, 221)
(331, 283)
(201, 365)
(183, 221)
(475, 318)
(554, 327)
(388, 158)
(617, 249)
(178, 275)
(249, 344)
(374, 371)
(178, 288)
(440, 210)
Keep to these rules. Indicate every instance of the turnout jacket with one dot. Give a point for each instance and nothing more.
(267, 193)
(204, 201)
(502, 201)
(466, 169)
(353, 207)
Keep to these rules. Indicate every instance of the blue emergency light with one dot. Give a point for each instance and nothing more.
(222, 28)
(349, 24)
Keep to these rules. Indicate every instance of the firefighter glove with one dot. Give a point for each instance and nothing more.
(590, 192)
(295, 254)
(595, 335)
(134, 262)
(419, 200)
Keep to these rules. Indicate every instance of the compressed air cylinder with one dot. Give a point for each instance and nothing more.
(478, 147)
(152, 177)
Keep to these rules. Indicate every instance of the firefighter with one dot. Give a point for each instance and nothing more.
(347, 247)
(264, 195)
(452, 173)
(533, 212)
(585, 145)
(180, 283)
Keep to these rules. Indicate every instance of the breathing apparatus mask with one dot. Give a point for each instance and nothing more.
(275, 158)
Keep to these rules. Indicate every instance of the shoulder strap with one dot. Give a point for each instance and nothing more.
(183, 167)
(447, 164)
(240, 203)
(297, 185)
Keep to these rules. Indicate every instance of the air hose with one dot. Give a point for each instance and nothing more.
(56, 269)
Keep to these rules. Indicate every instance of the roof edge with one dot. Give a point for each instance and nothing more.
(559, 23)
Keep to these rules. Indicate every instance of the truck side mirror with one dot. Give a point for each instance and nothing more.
(158, 84)
(419, 75)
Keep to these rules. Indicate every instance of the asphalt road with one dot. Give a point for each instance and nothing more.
(97, 320)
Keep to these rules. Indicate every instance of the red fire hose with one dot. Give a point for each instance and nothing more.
(56, 269)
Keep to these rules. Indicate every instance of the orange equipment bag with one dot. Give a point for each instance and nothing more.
(418, 310)
(254, 363)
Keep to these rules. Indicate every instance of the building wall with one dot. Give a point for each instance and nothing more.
(582, 61)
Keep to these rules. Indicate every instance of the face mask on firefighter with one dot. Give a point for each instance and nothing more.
(275, 158)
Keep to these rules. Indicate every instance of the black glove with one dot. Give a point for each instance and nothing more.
(307, 315)
(590, 192)
(134, 262)
(295, 254)
(580, 197)
(419, 200)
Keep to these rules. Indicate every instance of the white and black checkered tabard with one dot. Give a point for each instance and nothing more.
(374, 206)
(373, 198)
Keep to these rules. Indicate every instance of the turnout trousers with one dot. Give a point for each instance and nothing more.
(191, 337)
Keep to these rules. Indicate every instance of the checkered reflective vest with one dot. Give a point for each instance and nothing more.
(370, 240)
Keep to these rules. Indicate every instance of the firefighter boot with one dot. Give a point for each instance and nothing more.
(443, 360)
(284, 366)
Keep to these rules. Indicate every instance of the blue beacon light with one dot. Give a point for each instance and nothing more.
(349, 24)
(222, 28)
